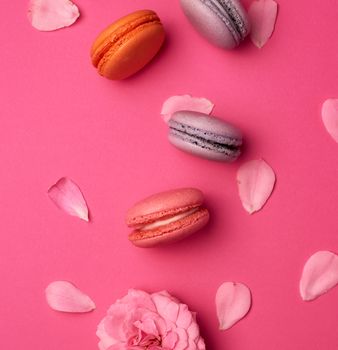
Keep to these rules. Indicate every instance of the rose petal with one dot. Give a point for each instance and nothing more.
(137, 298)
(68, 197)
(233, 301)
(161, 325)
(192, 345)
(47, 15)
(256, 180)
(118, 346)
(182, 342)
(330, 117)
(166, 294)
(184, 317)
(320, 274)
(113, 323)
(64, 296)
(161, 302)
(105, 339)
(262, 14)
(200, 344)
(185, 103)
(170, 340)
(148, 326)
(193, 331)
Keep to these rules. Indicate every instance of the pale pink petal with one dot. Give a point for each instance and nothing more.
(170, 340)
(105, 339)
(192, 345)
(320, 274)
(148, 326)
(137, 298)
(185, 317)
(166, 294)
(161, 325)
(183, 341)
(256, 180)
(185, 103)
(200, 344)
(64, 296)
(161, 302)
(171, 311)
(233, 301)
(330, 117)
(118, 346)
(47, 15)
(68, 197)
(193, 331)
(114, 322)
(262, 14)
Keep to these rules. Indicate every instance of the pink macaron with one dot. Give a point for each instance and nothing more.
(167, 217)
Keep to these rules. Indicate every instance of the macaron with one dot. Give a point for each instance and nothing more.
(167, 217)
(224, 23)
(205, 136)
(128, 44)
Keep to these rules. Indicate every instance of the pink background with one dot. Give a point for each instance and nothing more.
(60, 118)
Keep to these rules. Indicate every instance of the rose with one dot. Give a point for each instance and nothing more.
(142, 321)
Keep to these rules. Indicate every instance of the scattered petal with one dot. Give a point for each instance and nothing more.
(64, 296)
(330, 117)
(256, 180)
(233, 302)
(262, 14)
(47, 15)
(68, 197)
(320, 274)
(185, 103)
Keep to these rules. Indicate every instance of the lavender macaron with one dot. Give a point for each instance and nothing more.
(223, 22)
(205, 136)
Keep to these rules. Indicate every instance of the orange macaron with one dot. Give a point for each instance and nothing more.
(128, 44)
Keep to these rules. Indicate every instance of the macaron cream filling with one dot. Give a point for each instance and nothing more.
(180, 224)
(206, 139)
(167, 221)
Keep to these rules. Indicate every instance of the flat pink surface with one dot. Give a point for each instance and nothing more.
(60, 118)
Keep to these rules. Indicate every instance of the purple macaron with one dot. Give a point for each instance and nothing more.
(223, 22)
(205, 136)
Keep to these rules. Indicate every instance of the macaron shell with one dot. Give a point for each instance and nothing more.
(116, 30)
(208, 123)
(135, 52)
(203, 152)
(163, 204)
(206, 21)
(128, 45)
(171, 233)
